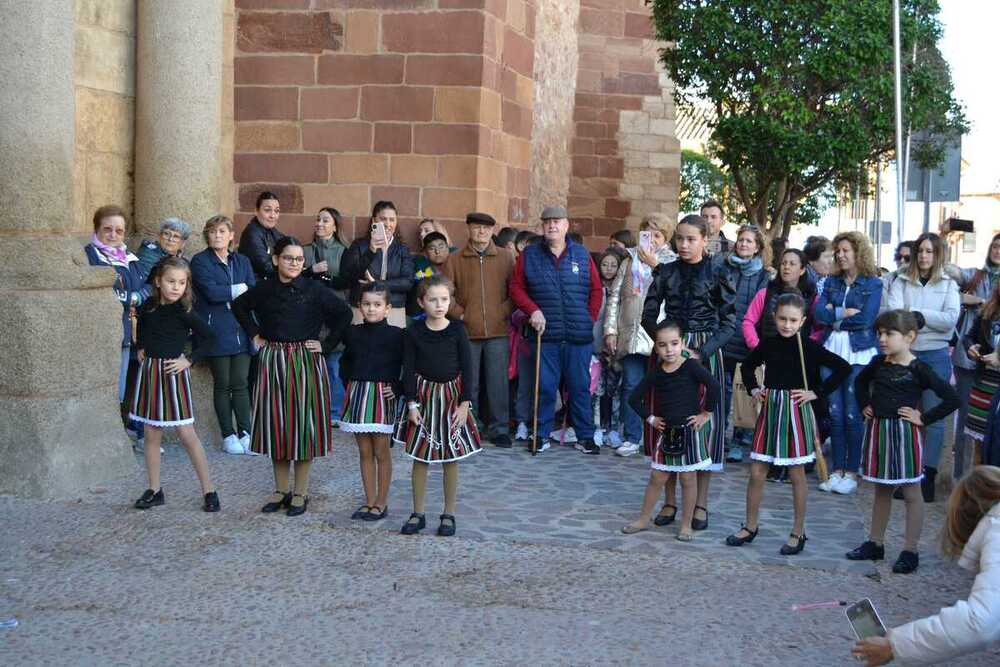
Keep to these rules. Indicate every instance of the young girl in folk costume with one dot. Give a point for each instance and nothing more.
(982, 344)
(163, 386)
(700, 293)
(371, 366)
(677, 420)
(889, 392)
(438, 426)
(786, 432)
(291, 399)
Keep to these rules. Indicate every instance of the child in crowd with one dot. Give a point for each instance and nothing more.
(623, 239)
(436, 252)
(676, 419)
(371, 366)
(438, 426)
(604, 399)
(889, 390)
(505, 239)
(523, 239)
(163, 387)
(786, 434)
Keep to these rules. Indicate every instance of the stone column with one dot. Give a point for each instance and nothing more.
(178, 135)
(60, 324)
(179, 63)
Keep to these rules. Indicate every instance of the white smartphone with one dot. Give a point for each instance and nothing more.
(646, 240)
(378, 231)
(865, 620)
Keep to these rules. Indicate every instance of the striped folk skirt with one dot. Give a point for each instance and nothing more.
(162, 398)
(717, 425)
(979, 402)
(366, 410)
(892, 452)
(786, 433)
(291, 403)
(434, 441)
(695, 456)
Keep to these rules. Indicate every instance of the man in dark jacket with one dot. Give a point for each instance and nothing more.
(258, 239)
(717, 243)
(557, 284)
(481, 272)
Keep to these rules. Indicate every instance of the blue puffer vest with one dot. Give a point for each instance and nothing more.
(561, 290)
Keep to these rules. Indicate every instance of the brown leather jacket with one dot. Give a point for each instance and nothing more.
(481, 298)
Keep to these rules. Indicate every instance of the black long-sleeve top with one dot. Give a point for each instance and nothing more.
(438, 356)
(783, 368)
(887, 387)
(676, 395)
(292, 312)
(373, 352)
(256, 243)
(163, 331)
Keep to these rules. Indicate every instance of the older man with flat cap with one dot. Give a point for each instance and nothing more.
(556, 283)
(481, 272)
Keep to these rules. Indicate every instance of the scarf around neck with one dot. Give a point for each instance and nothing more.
(120, 256)
(747, 267)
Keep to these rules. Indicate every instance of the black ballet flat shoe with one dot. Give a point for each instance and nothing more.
(662, 519)
(374, 515)
(149, 498)
(867, 551)
(270, 508)
(907, 562)
(211, 502)
(412, 527)
(447, 529)
(297, 510)
(699, 524)
(735, 540)
(800, 544)
(361, 513)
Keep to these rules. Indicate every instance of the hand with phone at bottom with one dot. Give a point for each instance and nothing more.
(873, 651)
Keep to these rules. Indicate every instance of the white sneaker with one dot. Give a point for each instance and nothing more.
(522, 432)
(627, 449)
(232, 445)
(245, 444)
(599, 438)
(613, 440)
(831, 483)
(566, 436)
(846, 486)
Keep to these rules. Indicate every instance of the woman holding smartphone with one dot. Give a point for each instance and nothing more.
(362, 263)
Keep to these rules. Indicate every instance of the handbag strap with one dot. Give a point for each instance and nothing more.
(802, 359)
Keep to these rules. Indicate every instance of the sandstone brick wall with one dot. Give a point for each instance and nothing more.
(105, 107)
(624, 157)
(345, 102)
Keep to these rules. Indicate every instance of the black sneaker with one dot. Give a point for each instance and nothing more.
(149, 499)
(541, 444)
(867, 551)
(503, 441)
(589, 447)
(211, 502)
(906, 563)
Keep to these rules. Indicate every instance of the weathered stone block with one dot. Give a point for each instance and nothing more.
(109, 179)
(393, 138)
(456, 70)
(662, 127)
(458, 172)
(352, 70)
(290, 196)
(634, 122)
(359, 168)
(337, 136)
(602, 22)
(642, 142)
(636, 159)
(413, 170)
(117, 15)
(257, 137)
(642, 176)
(298, 168)
(403, 103)
(433, 32)
(407, 200)
(452, 139)
(638, 25)
(447, 203)
(290, 32)
(334, 102)
(104, 121)
(518, 52)
(104, 60)
(665, 160)
(266, 103)
(348, 199)
(274, 70)
(361, 35)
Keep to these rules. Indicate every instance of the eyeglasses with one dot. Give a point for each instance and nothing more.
(172, 236)
(292, 260)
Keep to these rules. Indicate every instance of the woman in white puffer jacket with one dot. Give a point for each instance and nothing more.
(924, 289)
(972, 528)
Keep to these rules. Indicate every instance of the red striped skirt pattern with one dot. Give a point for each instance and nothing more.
(291, 403)
(980, 398)
(162, 398)
(786, 433)
(892, 452)
(366, 410)
(434, 441)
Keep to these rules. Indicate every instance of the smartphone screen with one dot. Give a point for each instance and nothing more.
(864, 620)
(646, 240)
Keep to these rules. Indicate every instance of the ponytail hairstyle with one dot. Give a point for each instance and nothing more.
(902, 321)
(167, 263)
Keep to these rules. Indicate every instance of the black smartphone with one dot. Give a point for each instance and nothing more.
(865, 620)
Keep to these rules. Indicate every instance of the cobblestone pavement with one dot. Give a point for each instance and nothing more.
(538, 573)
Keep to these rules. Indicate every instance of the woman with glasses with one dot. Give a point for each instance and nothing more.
(174, 233)
(291, 401)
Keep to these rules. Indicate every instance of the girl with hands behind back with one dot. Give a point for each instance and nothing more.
(888, 391)
(677, 424)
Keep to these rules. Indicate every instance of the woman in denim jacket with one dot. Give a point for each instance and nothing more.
(847, 308)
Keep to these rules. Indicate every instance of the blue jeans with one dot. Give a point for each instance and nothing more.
(940, 362)
(569, 362)
(847, 426)
(742, 437)
(633, 370)
(336, 386)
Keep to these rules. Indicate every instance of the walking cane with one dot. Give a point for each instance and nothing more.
(821, 470)
(538, 368)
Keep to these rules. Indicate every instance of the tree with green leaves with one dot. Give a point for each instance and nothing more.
(802, 91)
